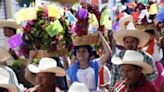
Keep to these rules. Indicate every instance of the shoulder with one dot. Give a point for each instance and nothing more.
(6, 69)
(145, 54)
(72, 69)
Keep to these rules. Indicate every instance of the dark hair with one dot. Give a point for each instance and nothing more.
(3, 89)
(131, 36)
(12, 29)
(151, 31)
(88, 47)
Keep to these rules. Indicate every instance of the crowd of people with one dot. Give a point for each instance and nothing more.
(128, 61)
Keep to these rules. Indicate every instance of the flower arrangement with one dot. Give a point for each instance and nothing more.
(46, 32)
(89, 21)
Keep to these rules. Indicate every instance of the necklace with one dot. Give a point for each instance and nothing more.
(84, 66)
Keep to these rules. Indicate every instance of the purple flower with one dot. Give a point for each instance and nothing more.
(30, 22)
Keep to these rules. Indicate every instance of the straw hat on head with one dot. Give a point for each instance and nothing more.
(4, 81)
(142, 36)
(4, 55)
(47, 65)
(132, 57)
(9, 23)
(124, 20)
(78, 87)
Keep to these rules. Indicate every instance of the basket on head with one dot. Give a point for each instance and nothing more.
(85, 39)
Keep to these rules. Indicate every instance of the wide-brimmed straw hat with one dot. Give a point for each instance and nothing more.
(9, 23)
(47, 65)
(142, 36)
(132, 57)
(78, 87)
(4, 55)
(4, 81)
(124, 20)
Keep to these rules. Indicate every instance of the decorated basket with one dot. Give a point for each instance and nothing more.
(57, 52)
(145, 26)
(85, 39)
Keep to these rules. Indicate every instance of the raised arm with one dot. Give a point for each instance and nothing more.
(106, 48)
(28, 75)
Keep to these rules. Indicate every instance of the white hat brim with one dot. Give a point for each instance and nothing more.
(9, 23)
(11, 88)
(146, 68)
(142, 36)
(57, 70)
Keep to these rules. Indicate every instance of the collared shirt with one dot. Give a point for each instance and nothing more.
(142, 85)
(116, 73)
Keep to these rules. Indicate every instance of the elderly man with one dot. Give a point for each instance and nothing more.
(132, 40)
(133, 69)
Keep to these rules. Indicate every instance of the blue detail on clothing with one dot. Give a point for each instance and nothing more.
(72, 71)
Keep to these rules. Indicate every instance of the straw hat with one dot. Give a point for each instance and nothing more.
(4, 55)
(9, 23)
(132, 57)
(47, 65)
(142, 36)
(4, 81)
(78, 87)
(124, 20)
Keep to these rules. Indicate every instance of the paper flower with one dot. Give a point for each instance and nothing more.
(48, 31)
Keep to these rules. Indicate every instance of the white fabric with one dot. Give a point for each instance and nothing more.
(12, 74)
(78, 87)
(87, 76)
(107, 75)
(158, 54)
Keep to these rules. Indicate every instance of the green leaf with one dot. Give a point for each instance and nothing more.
(54, 28)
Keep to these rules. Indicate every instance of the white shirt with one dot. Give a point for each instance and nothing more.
(87, 76)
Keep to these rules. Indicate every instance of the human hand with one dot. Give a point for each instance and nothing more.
(32, 54)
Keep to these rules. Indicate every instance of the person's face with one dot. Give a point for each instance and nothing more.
(44, 80)
(8, 32)
(82, 54)
(130, 73)
(130, 43)
(3, 90)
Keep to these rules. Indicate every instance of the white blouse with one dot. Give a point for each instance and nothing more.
(87, 76)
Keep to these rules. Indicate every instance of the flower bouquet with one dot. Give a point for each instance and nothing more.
(85, 29)
(48, 31)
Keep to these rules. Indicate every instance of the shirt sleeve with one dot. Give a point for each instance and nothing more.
(107, 75)
(13, 78)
